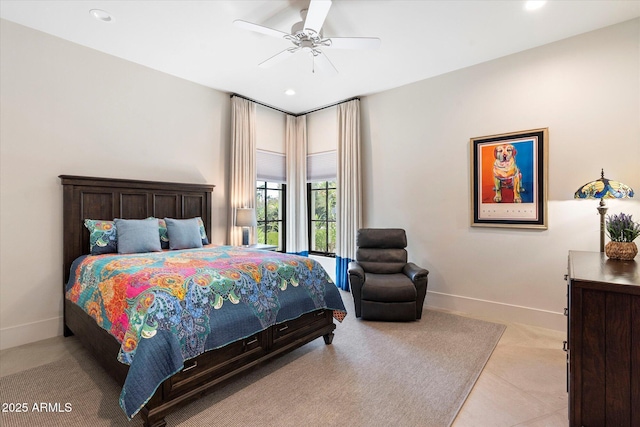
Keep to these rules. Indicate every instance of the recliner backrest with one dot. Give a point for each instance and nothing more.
(381, 250)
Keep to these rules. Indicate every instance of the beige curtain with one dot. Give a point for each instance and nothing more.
(296, 146)
(349, 189)
(242, 189)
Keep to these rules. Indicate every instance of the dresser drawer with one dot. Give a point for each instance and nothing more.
(286, 332)
(216, 363)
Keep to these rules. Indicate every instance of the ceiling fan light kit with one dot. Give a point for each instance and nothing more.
(307, 37)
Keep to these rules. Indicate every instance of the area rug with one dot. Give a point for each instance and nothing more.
(374, 373)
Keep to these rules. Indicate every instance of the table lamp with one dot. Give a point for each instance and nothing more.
(603, 188)
(245, 218)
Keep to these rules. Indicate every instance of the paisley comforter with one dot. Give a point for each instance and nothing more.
(168, 307)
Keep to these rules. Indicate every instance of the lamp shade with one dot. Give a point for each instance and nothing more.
(604, 188)
(245, 217)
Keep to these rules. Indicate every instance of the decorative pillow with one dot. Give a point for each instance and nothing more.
(103, 238)
(184, 233)
(137, 235)
(203, 232)
(164, 236)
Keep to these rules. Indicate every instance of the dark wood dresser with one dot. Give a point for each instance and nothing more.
(603, 341)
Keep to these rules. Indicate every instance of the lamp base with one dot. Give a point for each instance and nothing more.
(245, 236)
(602, 210)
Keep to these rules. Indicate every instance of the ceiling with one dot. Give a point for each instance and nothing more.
(196, 40)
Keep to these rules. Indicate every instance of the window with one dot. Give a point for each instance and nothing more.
(322, 217)
(270, 213)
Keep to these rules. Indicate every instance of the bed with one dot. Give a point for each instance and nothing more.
(191, 374)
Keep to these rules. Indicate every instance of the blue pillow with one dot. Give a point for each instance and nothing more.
(137, 235)
(102, 237)
(183, 233)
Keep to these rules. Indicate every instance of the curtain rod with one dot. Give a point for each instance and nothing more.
(260, 103)
(291, 114)
(355, 98)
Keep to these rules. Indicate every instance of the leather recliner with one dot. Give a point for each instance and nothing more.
(383, 284)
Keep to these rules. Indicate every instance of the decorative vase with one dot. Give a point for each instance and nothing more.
(621, 250)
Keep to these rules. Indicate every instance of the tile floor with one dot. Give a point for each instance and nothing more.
(523, 384)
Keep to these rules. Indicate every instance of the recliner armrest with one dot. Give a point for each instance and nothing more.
(356, 282)
(356, 269)
(414, 272)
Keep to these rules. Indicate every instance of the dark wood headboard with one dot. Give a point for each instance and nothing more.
(106, 198)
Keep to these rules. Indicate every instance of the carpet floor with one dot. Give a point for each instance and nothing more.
(374, 373)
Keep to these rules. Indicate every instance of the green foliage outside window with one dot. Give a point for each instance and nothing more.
(270, 198)
(270, 208)
(322, 217)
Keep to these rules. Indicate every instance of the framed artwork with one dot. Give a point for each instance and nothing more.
(509, 179)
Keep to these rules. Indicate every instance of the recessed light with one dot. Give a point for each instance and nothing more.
(534, 4)
(101, 15)
(290, 92)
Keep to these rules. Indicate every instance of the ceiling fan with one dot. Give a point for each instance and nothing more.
(307, 36)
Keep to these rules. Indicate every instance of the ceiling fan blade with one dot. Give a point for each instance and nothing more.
(353, 43)
(259, 29)
(316, 14)
(279, 57)
(322, 63)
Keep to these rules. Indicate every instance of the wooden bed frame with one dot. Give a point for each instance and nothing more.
(104, 198)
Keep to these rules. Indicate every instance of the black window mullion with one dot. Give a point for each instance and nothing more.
(326, 217)
(266, 218)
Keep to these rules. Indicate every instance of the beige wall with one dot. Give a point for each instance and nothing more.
(66, 109)
(416, 167)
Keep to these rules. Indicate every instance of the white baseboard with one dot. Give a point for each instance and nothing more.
(31, 332)
(497, 310)
(14, 336)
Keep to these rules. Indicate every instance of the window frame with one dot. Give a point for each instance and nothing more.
(311, 221)
(283, 214)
